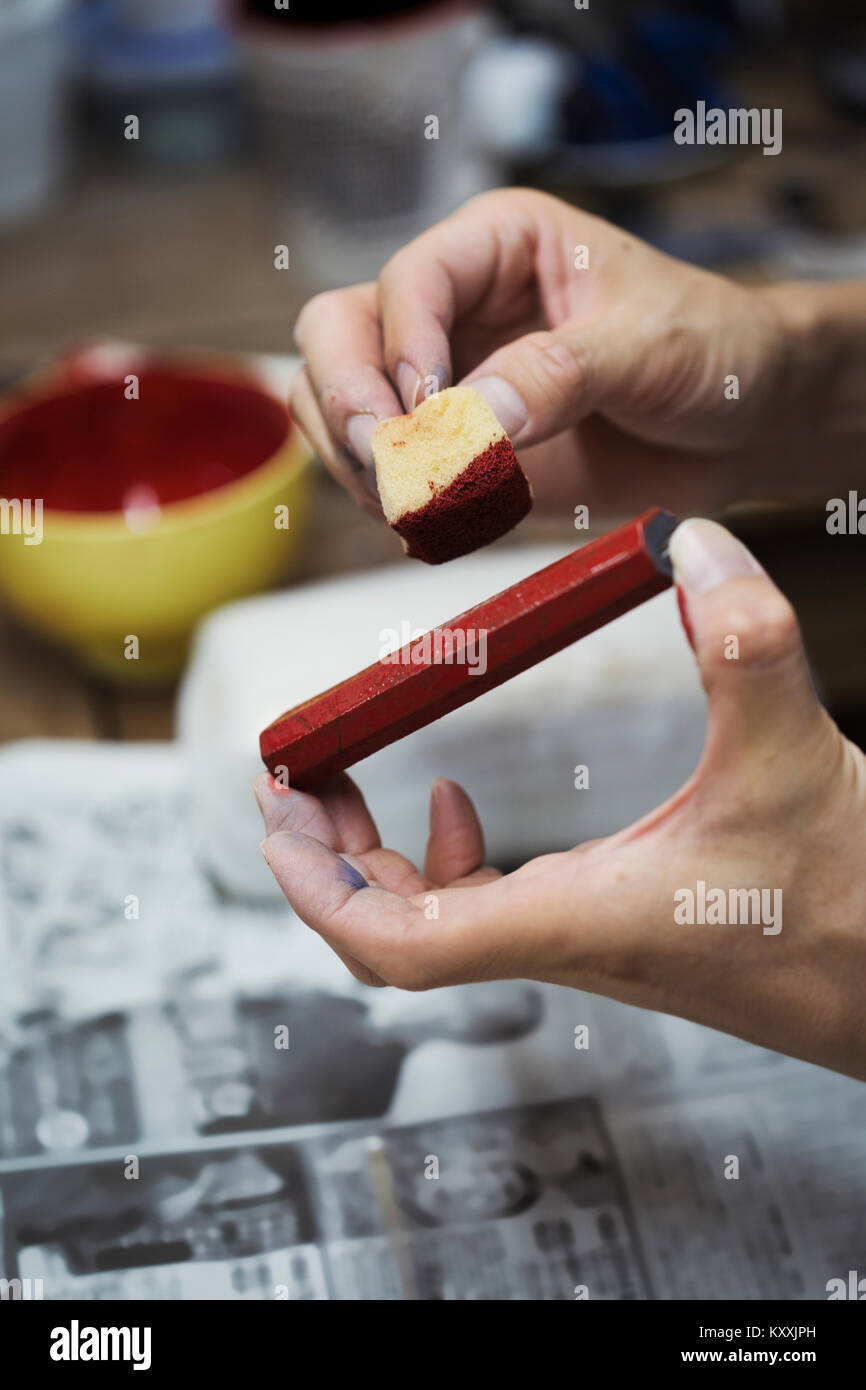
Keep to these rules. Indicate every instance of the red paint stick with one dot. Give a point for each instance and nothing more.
(431, 676)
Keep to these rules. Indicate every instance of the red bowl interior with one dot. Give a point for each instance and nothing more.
(90, 449)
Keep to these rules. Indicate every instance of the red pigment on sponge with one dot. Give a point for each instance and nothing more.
(448, 477)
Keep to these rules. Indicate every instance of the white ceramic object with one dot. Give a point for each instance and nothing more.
(32, 129)
(362, 129)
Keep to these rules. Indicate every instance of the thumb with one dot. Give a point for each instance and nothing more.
(748, 646)
(543, 383)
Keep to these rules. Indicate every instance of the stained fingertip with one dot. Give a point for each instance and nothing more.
(271, 797)
(352, 877)
(287, 811)
(311, 873)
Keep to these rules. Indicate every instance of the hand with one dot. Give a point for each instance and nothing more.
(610, 380)
(778, 803)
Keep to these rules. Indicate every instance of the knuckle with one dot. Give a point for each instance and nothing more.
(504, 200)
(335, 397)
(396, 264)
(349, 388)
(492, 200)
(768, 631)
(560, 364)
(316, 310)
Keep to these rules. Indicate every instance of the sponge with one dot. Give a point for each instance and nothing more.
(448, 477)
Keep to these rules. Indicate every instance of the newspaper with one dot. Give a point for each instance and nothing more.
(197, 1101)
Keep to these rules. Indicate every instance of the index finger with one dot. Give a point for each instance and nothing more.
(339, 334)
(487, 247)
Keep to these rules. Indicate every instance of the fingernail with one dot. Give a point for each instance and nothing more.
(437, 381)
(359, 432)
(408, 381)
(368, 478)
(704, 554)
(435, 796)
(506, 404)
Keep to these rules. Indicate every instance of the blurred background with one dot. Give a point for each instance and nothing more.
(259, 125)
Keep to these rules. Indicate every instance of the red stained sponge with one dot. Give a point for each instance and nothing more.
(448, 477)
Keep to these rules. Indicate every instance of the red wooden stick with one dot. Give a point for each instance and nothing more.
(433, 675)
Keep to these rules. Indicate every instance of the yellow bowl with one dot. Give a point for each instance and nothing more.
(126, 601)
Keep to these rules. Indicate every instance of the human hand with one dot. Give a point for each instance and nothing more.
(777, 804)
(613, 381)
